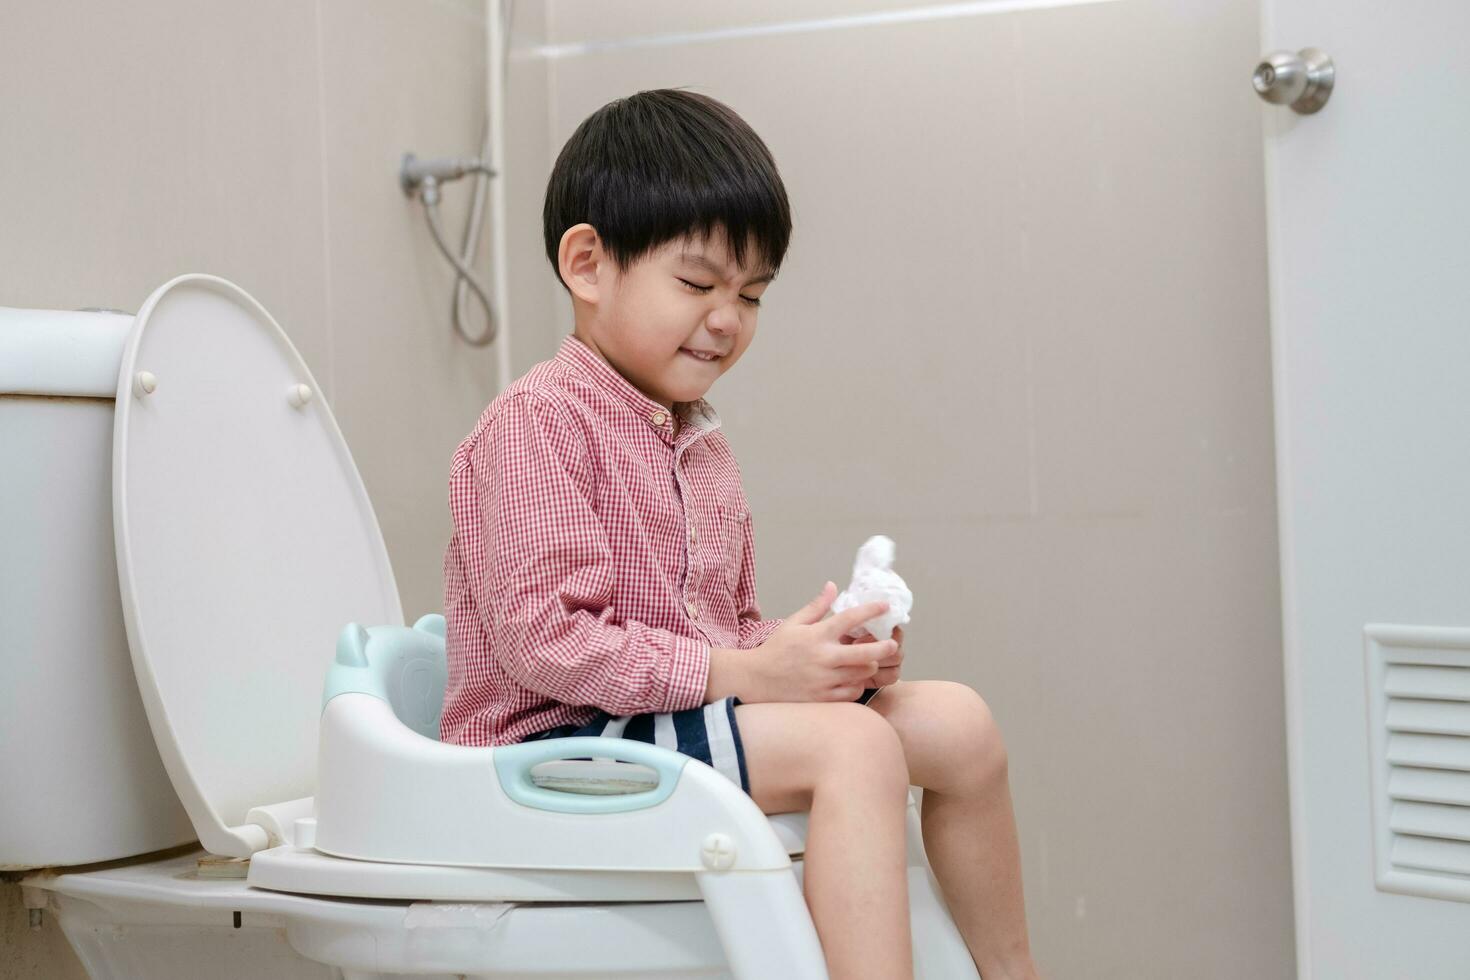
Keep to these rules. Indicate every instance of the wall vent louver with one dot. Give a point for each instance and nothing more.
(1419, 736)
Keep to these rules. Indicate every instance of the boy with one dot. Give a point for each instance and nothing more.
(601, 576)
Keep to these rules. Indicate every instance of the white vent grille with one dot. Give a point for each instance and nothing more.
(1419, 730)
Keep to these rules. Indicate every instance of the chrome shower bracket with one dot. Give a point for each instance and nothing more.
(415, 171)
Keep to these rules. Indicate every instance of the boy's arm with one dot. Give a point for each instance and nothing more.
(728, 674)
(545, 584)
(753, 630)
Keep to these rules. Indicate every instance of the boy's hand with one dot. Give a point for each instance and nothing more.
(807, 660)
(888, 667)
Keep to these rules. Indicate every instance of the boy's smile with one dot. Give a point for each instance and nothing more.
(674, 321)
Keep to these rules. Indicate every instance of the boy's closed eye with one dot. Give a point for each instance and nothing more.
(753, 301)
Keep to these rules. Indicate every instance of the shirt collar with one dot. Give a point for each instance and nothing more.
(699, 416)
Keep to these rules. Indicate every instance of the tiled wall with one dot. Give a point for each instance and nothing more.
(1022, 329)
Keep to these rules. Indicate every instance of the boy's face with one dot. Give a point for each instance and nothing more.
(676, 320)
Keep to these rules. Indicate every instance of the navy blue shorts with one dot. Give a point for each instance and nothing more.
(707, 733)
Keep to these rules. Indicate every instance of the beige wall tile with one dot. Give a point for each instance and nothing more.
(596, 20)
(401, 77)
(143, 142)
(1144, 273)
(542, 311)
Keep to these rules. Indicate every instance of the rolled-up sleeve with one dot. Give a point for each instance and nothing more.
(545, 592)
(753, 630)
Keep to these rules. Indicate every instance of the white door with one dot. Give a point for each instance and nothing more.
(1368, 206)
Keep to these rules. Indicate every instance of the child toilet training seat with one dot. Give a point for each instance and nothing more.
(413, 817)
(245, 542)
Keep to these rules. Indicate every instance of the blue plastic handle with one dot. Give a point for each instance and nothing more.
(513, 765)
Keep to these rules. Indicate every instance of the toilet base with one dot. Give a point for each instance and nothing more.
(312, 938)
(159, 920)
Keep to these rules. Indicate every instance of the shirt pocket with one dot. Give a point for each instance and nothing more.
(730, 524)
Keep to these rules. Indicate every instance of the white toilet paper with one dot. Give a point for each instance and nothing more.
(873, 579)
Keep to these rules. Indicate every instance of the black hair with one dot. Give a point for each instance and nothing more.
(661, 165)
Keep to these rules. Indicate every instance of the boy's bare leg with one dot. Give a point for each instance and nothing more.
(954, 750)
(844, 765)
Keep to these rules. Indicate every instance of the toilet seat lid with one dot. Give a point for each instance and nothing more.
(245, 541)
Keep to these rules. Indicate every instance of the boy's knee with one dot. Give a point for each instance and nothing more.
(859, 738)
(973, 729)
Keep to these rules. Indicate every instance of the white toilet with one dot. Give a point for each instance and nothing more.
(186, 544)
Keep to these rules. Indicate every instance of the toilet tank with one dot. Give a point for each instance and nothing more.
(80, 778)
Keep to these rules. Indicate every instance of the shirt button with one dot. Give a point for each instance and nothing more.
(659, 418)
(691, 609)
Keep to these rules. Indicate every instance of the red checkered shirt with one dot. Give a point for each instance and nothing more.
(596, 557)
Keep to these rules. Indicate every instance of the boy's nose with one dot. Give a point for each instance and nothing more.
(724, 321)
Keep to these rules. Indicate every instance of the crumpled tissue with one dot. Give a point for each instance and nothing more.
(874, 579)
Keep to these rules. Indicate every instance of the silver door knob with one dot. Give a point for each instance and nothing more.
(1302, 80)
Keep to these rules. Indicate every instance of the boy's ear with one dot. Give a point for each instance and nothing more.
(580, 260)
